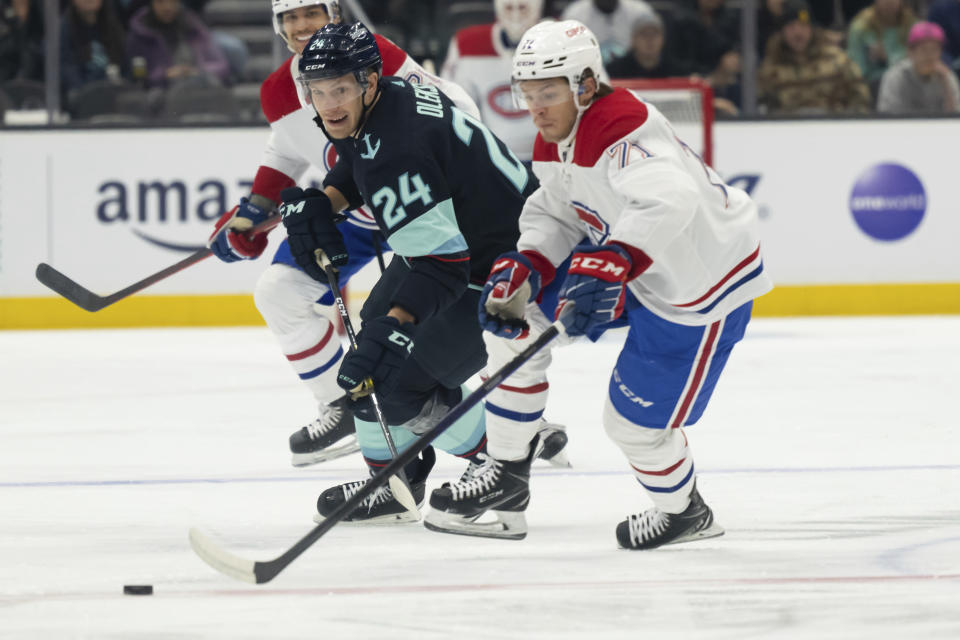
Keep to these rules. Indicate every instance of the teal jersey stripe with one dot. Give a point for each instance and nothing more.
(433, 233)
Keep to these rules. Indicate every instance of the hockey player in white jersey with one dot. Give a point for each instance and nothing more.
(299, 309)
(669, 246)
(480, 59)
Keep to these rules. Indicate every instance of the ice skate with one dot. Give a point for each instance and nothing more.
(498, 489)
(330, 436)
(552, 444)
(381, 507)
(654, 528)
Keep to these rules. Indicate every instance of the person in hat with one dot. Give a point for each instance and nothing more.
(646, 58)
(803, 73)
(921, 83)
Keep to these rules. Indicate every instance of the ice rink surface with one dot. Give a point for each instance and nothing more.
(830, 454)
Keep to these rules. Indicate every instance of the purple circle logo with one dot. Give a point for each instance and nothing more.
(888, 201)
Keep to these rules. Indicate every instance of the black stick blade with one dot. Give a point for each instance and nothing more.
(75, 293)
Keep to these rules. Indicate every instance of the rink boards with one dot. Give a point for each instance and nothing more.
(857, 217)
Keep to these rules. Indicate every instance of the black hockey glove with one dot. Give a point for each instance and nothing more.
(311, 225)
(382, 346)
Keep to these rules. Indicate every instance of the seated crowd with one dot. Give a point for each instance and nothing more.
(813, 56)
(147, 47)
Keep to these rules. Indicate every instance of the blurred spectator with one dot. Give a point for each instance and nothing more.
(707, 37)
(611, 21)
(480, 59)
(176, 45)
(921, 83)
(21, 40)
(823, 13)
(234, 48)
(91, 44)
(706, 42)
(802, 73)
(646, 57)
(878, 38)
(946, 13)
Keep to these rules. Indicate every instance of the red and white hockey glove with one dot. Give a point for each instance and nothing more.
(229, 240)
(512, 283)
(595, 285)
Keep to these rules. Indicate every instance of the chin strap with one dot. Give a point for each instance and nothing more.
(365, 110)
(566, 145)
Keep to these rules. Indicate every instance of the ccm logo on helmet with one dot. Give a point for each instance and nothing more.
(597, 264)
(575, 30)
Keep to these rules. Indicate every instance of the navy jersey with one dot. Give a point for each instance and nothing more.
(443, 189)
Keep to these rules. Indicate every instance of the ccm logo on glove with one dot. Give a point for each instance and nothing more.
(599, 267)
(401, 340)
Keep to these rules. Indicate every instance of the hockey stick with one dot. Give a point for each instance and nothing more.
(400, 486)
(379, 249)
(90, 301)
(260, 572)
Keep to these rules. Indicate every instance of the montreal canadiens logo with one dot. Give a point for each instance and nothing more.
(596, 226)
(888, 201)
(329, 156)
(500, 99)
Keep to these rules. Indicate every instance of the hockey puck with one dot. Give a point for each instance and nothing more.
(138, 589)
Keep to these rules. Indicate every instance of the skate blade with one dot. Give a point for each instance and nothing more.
(552, 447)
(392, 519)
(559, 460)
(509, 525)
(330, 453)
(713, 531)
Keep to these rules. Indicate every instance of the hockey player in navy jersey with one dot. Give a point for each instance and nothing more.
(446, 194)
(297, 308)
(668, 244)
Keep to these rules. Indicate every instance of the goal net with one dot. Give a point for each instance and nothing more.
(687, 104)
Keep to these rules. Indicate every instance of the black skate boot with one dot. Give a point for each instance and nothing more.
(381, 507)
(499, 486)
(654, 528)
(552, 443)
(330, 436)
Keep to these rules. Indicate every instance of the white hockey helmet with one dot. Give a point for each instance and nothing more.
(516, 16)
(565, 49)
(281, 6)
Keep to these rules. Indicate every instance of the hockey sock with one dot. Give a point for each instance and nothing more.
(374, 445)
(661, 459)
(286, 299)
(467, 437)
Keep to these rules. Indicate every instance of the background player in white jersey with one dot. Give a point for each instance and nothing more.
(480, 58)
(299, 309)
(667, 240)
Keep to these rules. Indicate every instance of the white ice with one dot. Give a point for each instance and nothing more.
(829, 453)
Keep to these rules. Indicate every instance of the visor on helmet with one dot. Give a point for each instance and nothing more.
(536, 94)
(329, 93)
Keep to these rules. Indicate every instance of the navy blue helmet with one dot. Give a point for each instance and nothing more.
(339, 49)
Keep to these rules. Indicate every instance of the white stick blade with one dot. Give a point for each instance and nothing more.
(403, 495)
(220, 559)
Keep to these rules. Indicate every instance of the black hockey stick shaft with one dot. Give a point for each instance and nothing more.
(90, 301)
(378, 247)
(262, 572)
(333, 281)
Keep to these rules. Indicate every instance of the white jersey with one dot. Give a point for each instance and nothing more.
(627, 179)
(296, 142)
(480, 61)
(614, 31)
